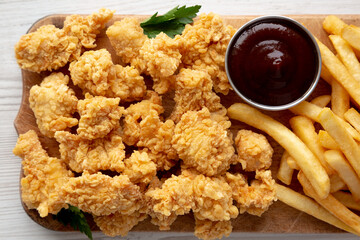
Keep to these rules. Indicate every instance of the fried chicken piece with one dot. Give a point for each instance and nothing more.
(118, 224)
(53, 104)
(143, 127)
(204, 47)
(157, 217)
(128, 84)
(175, 196)
(162, 58)
(193, 91)
(127, 37)
(92, 155)
(48, 48)
(256, 198)
(139, 168)
(158, 57)
(254, 150)
(86, 28)
(209, 230)
(203, 143)
(98, 116)
(213, 199)
(101, 195)
(93, 72)
(161, 159)
(135, 113)
(44, 176)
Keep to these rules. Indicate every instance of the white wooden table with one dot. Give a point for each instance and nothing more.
(17, 16)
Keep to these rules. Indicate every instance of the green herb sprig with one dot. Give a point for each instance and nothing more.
(171, 23)
(76, 218)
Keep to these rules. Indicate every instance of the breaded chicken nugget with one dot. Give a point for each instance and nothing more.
(44, 176)
(53, 104)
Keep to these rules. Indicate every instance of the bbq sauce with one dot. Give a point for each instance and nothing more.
(273, 63)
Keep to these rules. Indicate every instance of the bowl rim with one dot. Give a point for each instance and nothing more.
(316, 77)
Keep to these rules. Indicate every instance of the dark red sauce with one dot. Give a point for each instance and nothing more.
(272, 63)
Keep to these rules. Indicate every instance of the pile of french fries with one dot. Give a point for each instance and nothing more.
(327, 161)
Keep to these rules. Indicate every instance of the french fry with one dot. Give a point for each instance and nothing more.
(285, 173)
(338, 162)
(305, 159)
(352, 35)
(346, 199)
(333, 25)
(309, 206)
(326, 75)
(327, 141)
(347, 55)
(292, 163)
(321, 101)
(339, 72)
(353, 117)
(336, 183)
(346, 143)
(340, 99)
(331, 204)
(304, 128)
(312, 111)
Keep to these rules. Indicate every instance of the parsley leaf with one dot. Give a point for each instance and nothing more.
(171, 23)
(76, 218)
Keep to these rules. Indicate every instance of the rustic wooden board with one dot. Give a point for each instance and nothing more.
(280, 218)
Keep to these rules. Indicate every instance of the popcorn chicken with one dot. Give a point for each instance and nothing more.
(95, 73)
(213, 199)
(193, 91)
(208, 230)
(256, 198)
(127, 37)
(144, 128)
(92, 155)
(204, 47)
(162, 59)
(49, 48)
(203, 143)
(98, 116)
(43, 178)
(102, 195)
(86, 28)
(118, 224)
(158, 57)
(139, 168)
(254, 150)
(53, 104)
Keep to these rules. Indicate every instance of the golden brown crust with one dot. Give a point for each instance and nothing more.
(53, 104)
(103, 195)
(86, 28)
(118, 224)
(92, 155)
(43, 178)
(256, 198)
(209, 230)
(203, 143)
(254, 150)
(139, 168)
(193, 91)
(204, 48)
(98, 116)
(48, 48)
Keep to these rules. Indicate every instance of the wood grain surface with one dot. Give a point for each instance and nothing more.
(278, 219)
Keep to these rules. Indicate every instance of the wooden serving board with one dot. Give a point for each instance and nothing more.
(280, 218)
